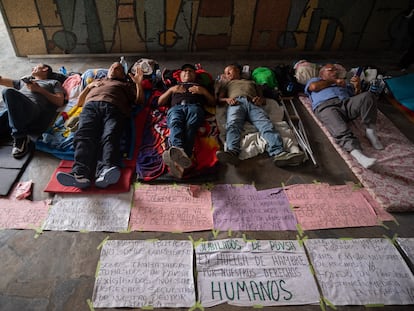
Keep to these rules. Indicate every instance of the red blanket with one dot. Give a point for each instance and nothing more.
(155, 141)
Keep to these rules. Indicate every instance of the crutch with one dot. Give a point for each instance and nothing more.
(300, 132)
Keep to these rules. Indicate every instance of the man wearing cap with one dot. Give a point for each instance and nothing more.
(184, 118)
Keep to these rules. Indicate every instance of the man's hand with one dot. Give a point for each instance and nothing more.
(138, 76)
(356, 82)
(177, 89)
(231, 101)
(196, 89)
(340, 82)
(258, 101)
(34, 87)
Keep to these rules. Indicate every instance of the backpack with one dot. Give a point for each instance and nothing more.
(288, 85)
(265, 76)
(149, 67)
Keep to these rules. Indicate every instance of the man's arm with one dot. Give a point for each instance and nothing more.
(137, 78)
(323, 84)
(6, 82)
(222, 97)
(198, 89)
(163, 99)
(57, 99)
(83, 94)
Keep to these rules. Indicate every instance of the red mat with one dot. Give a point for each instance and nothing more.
(123, 184)
(127, 172)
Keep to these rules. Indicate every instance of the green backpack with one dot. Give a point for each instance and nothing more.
(264, 75)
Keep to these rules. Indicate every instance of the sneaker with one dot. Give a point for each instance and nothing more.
(288, 159)
(21, 147)
(109, 176)
(175, 169)
(228, 157)
(73, 180)
(179, 156)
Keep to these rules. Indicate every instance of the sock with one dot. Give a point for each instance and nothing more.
(363, 159)
(373, 138)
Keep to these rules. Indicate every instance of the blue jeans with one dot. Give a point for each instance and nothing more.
(246, 110)
(26, 117)
(184, 122)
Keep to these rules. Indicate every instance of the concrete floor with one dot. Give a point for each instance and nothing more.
(57, 270)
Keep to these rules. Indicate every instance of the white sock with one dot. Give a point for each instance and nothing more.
(363, 159)
(373, 138)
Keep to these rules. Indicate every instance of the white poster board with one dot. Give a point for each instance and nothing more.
(138, 274)
(361, 272)
(254, 273)
(90, 213)
(407, 245)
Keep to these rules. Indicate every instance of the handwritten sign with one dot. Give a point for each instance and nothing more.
(92, 213)
(22, 214)
(245, 208)
(265, 272)
(321, 206)
(407, 245)
(145, 273)
(361, 271)
(171, 208)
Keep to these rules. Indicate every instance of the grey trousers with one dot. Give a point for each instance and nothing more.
(336, 114)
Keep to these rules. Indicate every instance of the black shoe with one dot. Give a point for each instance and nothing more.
(109, 176)
(228, 157)
(175, 169)
(21, 147)
(179, 156)
(73, 180)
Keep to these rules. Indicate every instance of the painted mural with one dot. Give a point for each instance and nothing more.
(134, 26)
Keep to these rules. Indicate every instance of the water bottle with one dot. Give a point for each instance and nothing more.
(63, 70)
(376, 86)
(290, 87)
(124, 64)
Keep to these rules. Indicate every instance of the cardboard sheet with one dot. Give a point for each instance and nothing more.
(90, 213)
(242, 207)
(321, 206)
(10, 168)
(255, 273)
(361, 272)
(150, 274)
(171, 208)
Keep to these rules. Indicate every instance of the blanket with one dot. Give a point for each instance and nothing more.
(402, 94)
(402, 89)
(58, 138)
(391, 180)
(149, 165)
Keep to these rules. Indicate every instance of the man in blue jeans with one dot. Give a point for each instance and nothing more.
(32, 105)
(186, 115)
(244, 102)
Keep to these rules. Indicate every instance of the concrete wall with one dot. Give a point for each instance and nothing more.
(145, 26)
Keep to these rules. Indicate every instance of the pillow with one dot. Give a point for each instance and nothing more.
(91, 74)
(305, 70)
